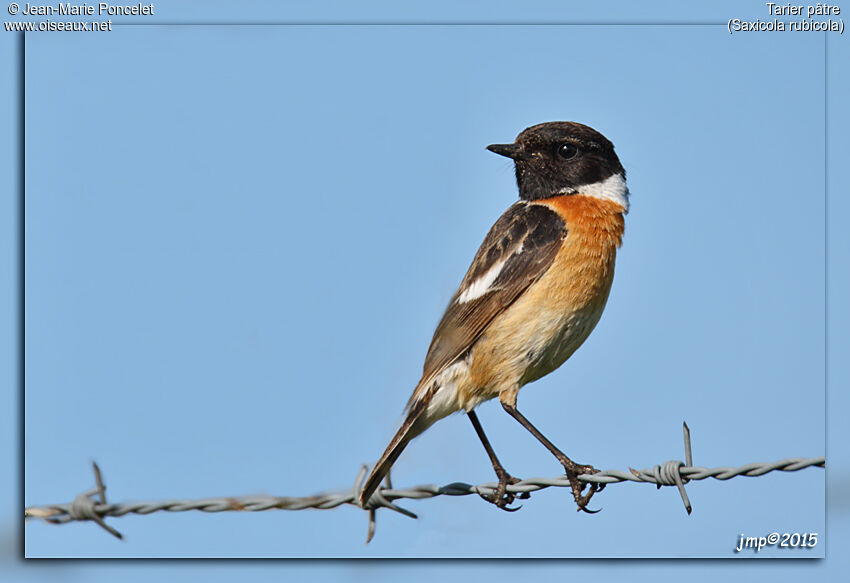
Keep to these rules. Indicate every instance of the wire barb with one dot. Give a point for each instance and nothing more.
(670, 473)
(84, 508)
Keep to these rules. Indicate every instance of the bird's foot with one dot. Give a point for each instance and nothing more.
(575, 470)
(501, 497)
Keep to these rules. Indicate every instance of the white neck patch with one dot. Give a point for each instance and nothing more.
(612, 188)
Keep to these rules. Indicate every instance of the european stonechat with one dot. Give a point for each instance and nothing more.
(534, 292)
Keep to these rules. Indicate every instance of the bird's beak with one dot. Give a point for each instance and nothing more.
(512, 151)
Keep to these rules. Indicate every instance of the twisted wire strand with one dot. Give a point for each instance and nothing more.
(92, 505)
(78, 510)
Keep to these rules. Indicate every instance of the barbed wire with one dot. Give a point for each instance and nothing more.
(92, 504)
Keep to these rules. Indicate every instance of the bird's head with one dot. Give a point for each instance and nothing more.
(563, 158)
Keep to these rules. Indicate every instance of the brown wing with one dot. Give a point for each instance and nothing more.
(523, 242)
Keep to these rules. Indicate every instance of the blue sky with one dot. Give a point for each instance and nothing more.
(239, 240)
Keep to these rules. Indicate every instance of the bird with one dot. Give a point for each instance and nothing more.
(535, 290)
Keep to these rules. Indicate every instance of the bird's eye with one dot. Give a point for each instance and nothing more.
(567, 150)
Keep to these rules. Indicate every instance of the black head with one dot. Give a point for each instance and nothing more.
(559, 157)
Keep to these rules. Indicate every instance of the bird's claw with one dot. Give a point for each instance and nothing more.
(501, 498)
(582, 499)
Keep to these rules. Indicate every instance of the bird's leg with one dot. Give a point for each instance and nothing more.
(502, 497)
(573, 470)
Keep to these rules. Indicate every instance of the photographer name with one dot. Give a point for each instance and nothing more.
(99, 9)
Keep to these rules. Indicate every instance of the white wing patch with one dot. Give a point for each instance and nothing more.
(481, 286)
(612, 188)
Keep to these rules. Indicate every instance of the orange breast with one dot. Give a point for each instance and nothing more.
(584, 268)
(598, 222)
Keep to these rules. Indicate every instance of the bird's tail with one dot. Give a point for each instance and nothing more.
(413, 425)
